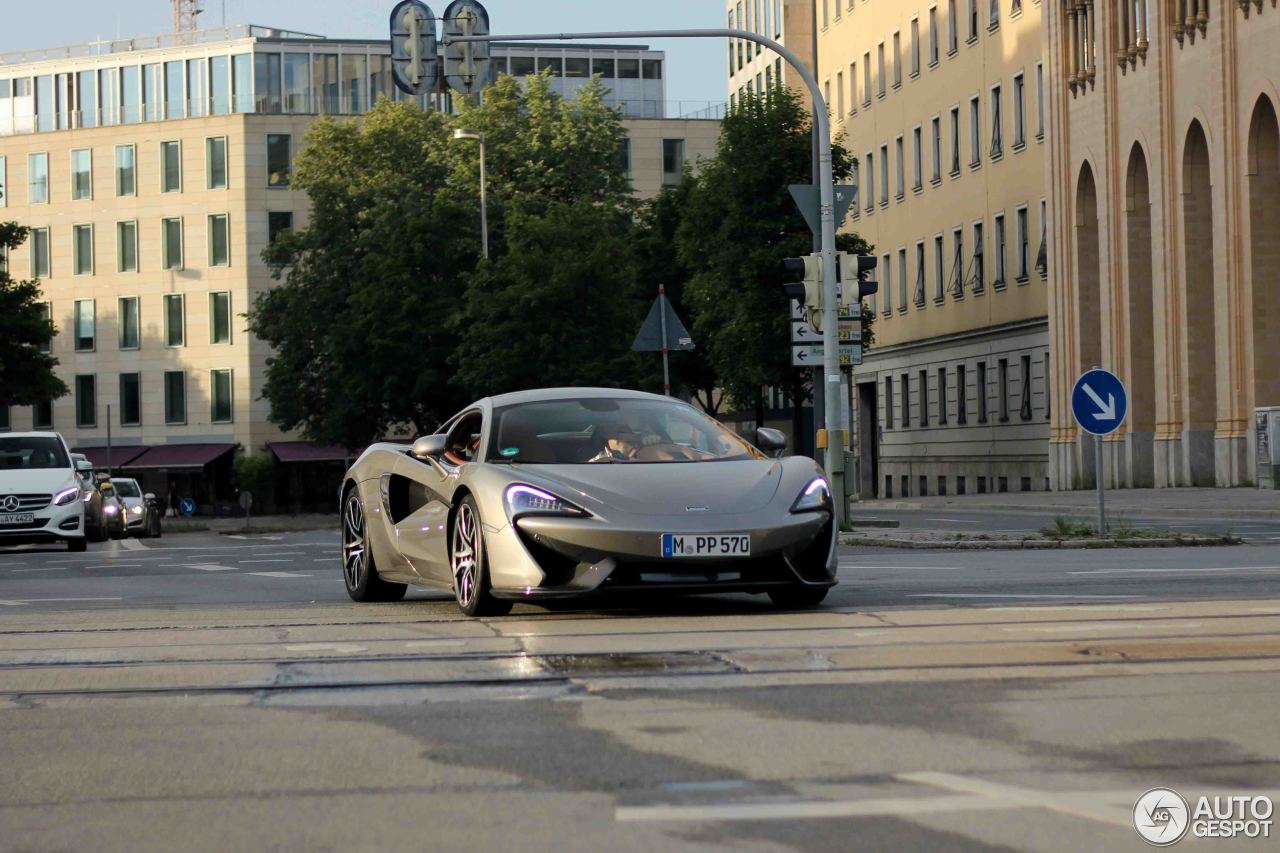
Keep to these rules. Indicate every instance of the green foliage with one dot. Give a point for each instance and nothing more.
(26, 374)
(256, 474)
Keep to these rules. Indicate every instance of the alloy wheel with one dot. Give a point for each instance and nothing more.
(354, 558)
(466, 546)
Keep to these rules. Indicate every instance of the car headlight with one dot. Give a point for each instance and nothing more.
(527, 500)
(66, 496)
(816, 496)
(110, 509)
(88, 495)
(136, 510)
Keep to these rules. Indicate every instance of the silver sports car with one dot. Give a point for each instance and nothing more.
(578, 491)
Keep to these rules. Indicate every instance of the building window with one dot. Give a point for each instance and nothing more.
(219, 247)
(924, 398)
(957, 268)
(1024, 405)
(962, 396)
(279, 160)
(915, 47)
(215, 153)
(886, 283)
(955, 142)
(953, 33)
(82, 249)
(1042, 257)
(888, 402)
(282, 220)
(175, 397)
(979, 259)
(939, 269)
(935, 131)
(130, 399)
(1001, 269)
(1039, 101)
(901, 168)
(1019, 111)
(171, 232)
(853, 87)
(46, 317)
(866, 79)
(1048, 390)
(174, 320)
(942, 396)
(39, 252)
(839, 94)
(973, 22)
(933, 36)
(1002, 382)
(884, 175)
(672, 161)
(86, 401)
(1023, 243)
(917, 181)
(220, 410)
(127, 309)
(42, 415)
(871, 181)
(81, 174)
(220, 317)
(920, 274)
(881, 70)
(127, 246)
(170, 167)
(38, 178)
(126, 170)
(982, 392)
(993, 21)
(902, 280)
(997, 125)
(975, 132)
(906, 403)
(85, 325)
(4, 196)
(897, 60)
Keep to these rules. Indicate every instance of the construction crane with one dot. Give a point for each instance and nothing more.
(184, 16)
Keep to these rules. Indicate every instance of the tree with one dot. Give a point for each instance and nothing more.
(26, 373)
(739, 223)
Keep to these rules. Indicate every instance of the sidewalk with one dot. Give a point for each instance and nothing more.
(257, 523)
(1184, 503)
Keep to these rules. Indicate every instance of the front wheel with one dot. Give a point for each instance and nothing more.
(470, 563)
(798, 597)
(358, 571)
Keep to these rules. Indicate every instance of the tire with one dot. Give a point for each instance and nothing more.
(469, 562)
(359, 573)
(78, 545)
(798, 597)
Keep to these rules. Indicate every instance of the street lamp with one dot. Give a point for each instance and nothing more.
(484, 213)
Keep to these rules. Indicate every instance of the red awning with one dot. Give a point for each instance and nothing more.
(180, 456)
(120, 455)
(305, 451)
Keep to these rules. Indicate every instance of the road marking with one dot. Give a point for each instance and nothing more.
(265, 561)
(1177, 571)
(953, 520)
(902, 568)
(1011, 595)
(133, 545)
(14, 602)
(44, 569)
(813, 809)
(210, 567)
(336, 648)
(279, 574)
(1102, 626)
(1091, 805)
(114, 566)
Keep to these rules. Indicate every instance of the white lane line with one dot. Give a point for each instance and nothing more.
(279, 574)
(14, 602)
(133, 545)
(242, 562)
(1011, 595)
(1213, 570)
(953, 520)
(1093, 805)
(113, 566)
(44, 569)
(902, 568)
(209, 567)
(813, 809)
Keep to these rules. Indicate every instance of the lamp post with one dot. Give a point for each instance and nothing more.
(484, 213)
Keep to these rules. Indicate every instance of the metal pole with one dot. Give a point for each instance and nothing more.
(818, 399)
(826, 204)
(108, 439)
(662, 320)
(1097, 473)
(484, 205)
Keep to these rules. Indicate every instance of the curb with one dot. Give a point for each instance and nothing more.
(1037, 544)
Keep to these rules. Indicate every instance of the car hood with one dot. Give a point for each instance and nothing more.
(36, 481)
(661, 488)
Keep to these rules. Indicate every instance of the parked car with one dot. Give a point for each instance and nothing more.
(141, 511)
(40, 491)
(113, 510)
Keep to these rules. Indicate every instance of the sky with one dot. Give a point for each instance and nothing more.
(695, 67)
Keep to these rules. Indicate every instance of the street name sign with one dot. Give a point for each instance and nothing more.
(810, 355)
(1099, 402)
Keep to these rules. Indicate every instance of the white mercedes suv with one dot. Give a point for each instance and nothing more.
(39, 491)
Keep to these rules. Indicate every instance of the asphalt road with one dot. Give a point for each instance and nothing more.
(203, 692)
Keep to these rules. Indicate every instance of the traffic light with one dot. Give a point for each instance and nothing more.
(857, 268)
(807, 291)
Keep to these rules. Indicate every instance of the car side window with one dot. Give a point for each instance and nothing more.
(464, 439)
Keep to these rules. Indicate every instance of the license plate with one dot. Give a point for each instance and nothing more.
(19, 518)
(697, 545)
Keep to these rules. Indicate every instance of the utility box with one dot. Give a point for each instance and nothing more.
(1266, 440)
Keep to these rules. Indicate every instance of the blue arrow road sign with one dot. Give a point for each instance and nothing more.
(1099, 402)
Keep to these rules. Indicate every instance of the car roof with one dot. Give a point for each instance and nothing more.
(540, 394)
(34, 434)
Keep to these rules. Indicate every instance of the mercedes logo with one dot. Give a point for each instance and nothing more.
(9, 503)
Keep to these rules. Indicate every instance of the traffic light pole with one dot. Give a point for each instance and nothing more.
(834, 384)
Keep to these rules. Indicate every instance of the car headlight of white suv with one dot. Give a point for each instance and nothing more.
(66, 496)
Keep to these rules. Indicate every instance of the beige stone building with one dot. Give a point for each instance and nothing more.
(752, 69)
(154, 173)
(942, 102)
(1165, 182)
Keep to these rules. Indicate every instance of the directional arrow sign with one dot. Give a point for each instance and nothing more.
(1099, 402)
(810, 355)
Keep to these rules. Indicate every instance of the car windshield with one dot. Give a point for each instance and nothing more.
(593, 430)
(19, 452)
(127, 488)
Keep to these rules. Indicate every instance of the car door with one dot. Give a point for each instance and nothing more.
(419, 497)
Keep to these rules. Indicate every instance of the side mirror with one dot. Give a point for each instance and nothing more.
(771, 440)
(429, 446)
(83, 465)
